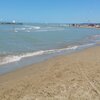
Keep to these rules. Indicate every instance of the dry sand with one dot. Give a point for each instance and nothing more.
(71, 77)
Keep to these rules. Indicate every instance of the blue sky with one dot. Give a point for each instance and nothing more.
(50, 11)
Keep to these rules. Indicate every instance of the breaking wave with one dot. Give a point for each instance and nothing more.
(27, 28)
(15, 58)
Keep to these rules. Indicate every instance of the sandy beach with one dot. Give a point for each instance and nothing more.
(70, 77)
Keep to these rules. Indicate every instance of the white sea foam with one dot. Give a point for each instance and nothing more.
(9, 59)
(87, 45)
(27, 28)
(33, 27)
(15, 58)
(38, 28)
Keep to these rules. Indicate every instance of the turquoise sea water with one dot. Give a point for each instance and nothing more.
(21, 45)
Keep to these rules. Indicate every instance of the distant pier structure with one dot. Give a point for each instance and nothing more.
(12, 23)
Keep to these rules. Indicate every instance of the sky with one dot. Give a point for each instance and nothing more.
(50, 11)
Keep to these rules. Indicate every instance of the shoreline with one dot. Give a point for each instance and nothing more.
(86, 27)
(67, 77)
(42, 59)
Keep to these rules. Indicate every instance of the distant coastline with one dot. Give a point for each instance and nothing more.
(77, 25)
(86, 25)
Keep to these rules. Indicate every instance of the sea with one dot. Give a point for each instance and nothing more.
(29, 43)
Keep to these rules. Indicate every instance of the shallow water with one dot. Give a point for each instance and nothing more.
(35, 42)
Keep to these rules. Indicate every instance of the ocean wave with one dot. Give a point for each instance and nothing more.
(16, 58)
(27, 28)
(9, 59)
(32, 27)
(87, 45)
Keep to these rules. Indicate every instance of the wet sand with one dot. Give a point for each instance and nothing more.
(70, 77)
